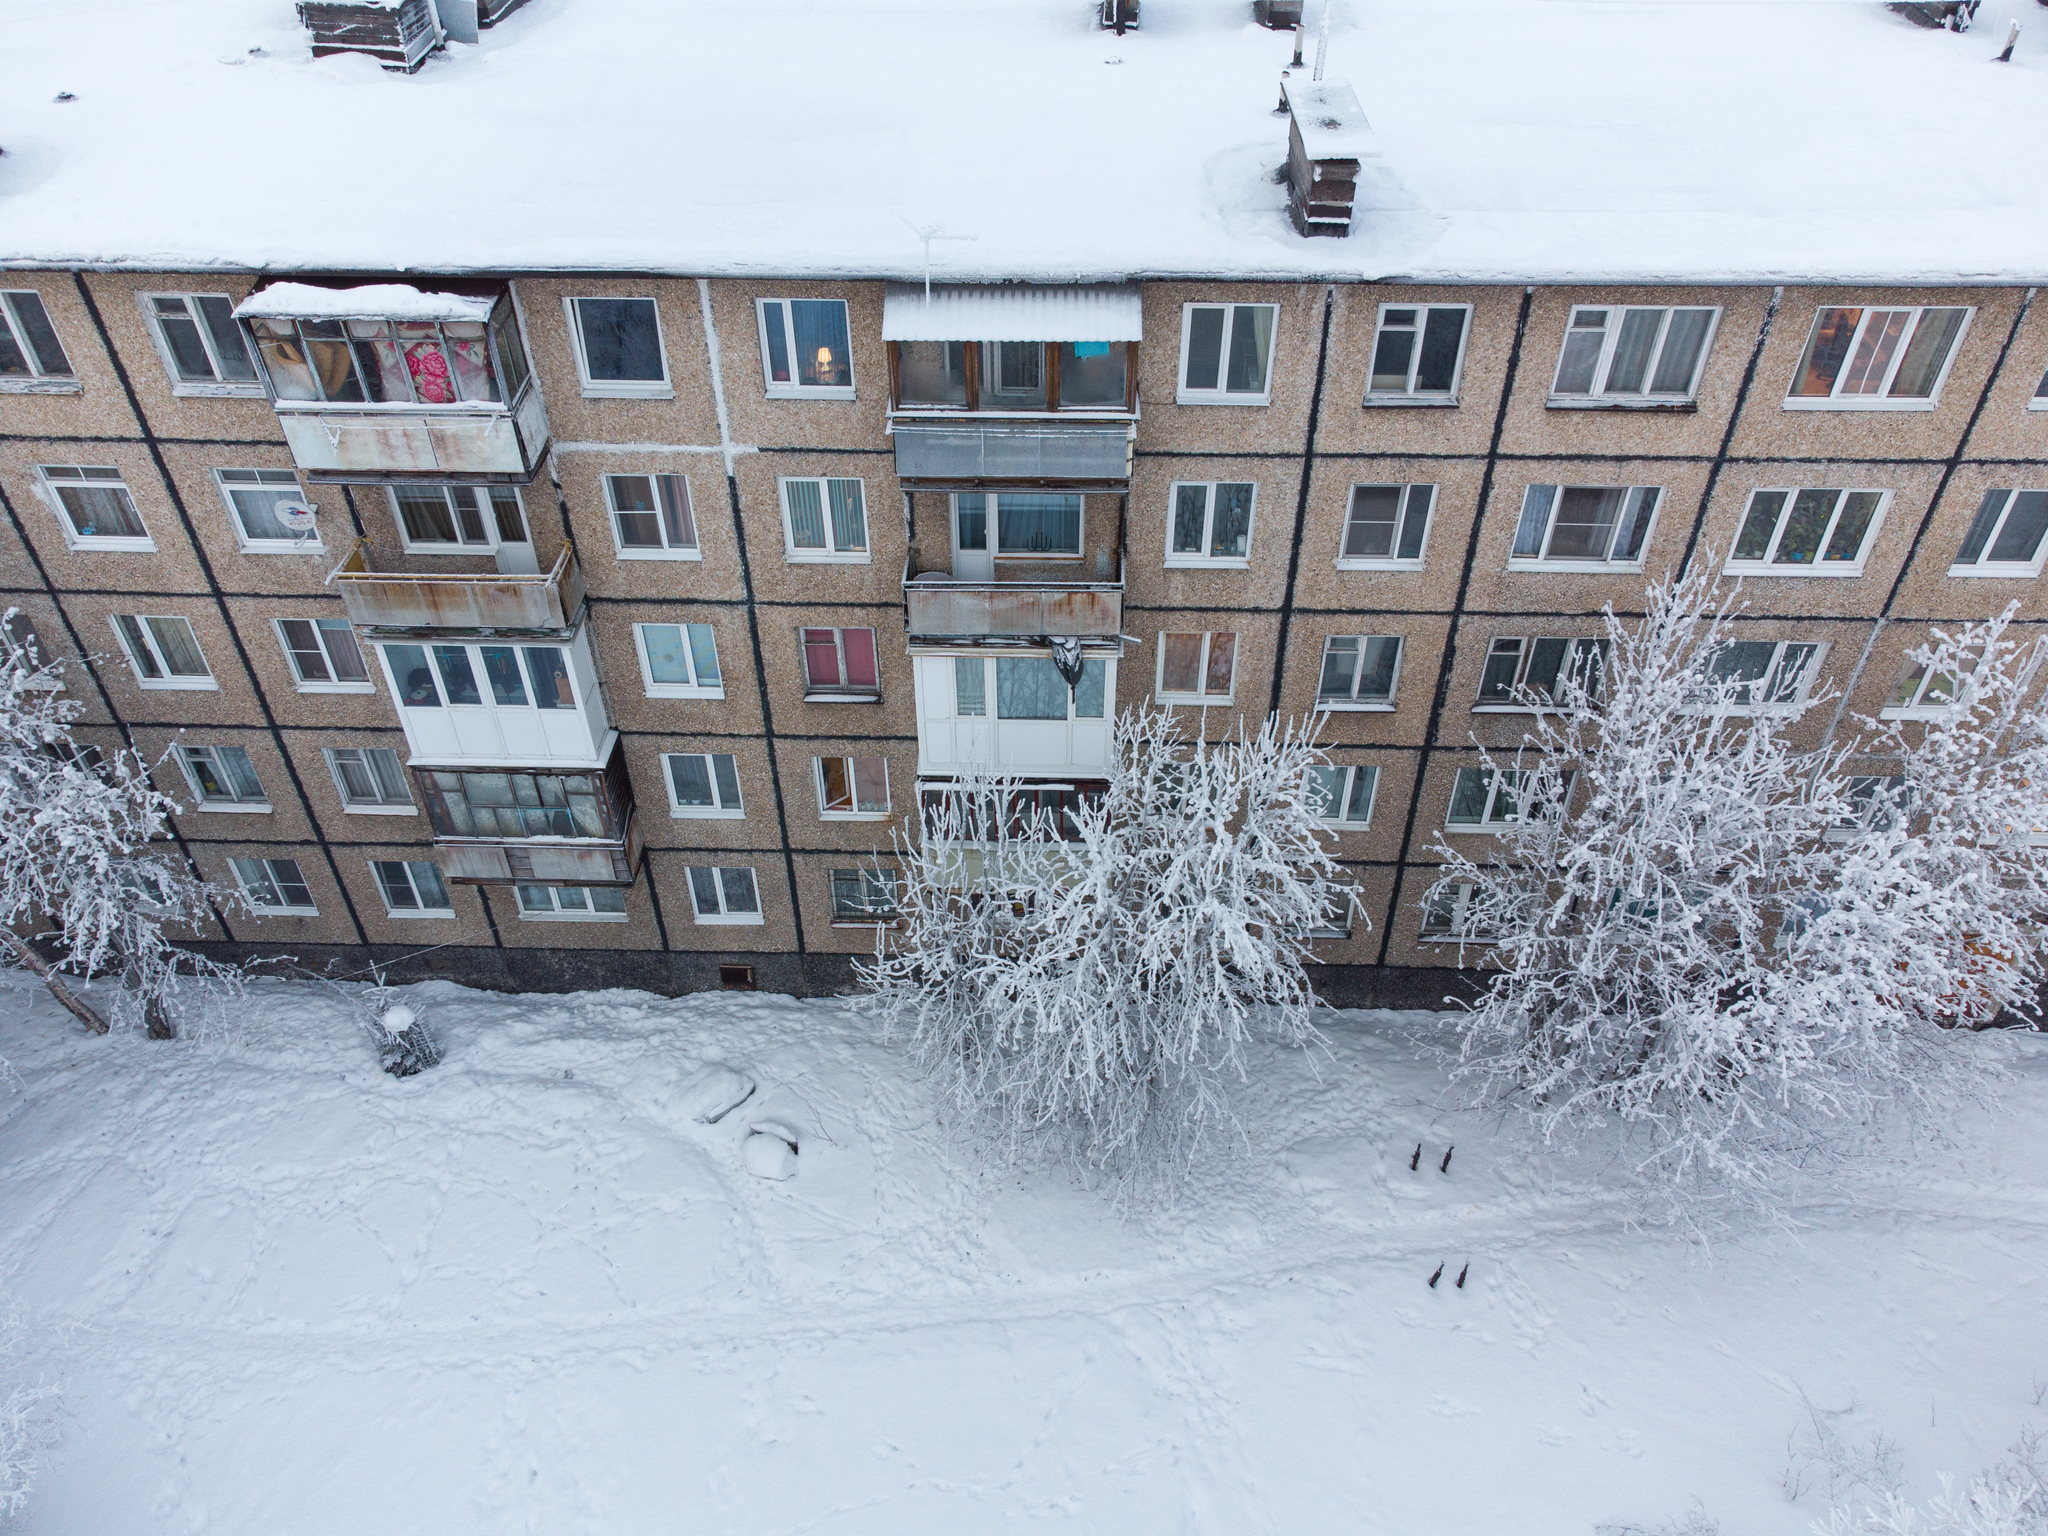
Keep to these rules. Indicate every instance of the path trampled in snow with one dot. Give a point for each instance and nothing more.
(525, 1292)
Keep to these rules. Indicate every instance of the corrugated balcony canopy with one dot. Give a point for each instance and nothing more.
(1012, 312)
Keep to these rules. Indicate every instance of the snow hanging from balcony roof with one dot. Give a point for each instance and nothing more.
(369, 301)
(1564, 141)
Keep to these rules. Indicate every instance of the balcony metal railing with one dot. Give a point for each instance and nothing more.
(549, 603)
(939, 608)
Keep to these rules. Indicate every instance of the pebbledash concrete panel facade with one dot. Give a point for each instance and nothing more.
(1307, 426)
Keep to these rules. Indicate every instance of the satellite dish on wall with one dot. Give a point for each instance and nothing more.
(296, 516)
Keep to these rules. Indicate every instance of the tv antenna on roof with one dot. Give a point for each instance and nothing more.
(928, 233)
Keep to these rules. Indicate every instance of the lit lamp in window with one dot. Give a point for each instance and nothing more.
(824, 365)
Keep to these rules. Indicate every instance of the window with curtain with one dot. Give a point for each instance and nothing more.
(1343, 795)
(679, 661)
(412, 888)
(574, 903)
(1767, 671)
(1621, 354)
(1515, 663)
(1197, 668)
(1807, 532)
(369, 778)
(1359, 670)
(1586, 525)
(1032, 523)
(163, 650)
(804, 347)
(324, 656)
(1865, 359)
(852, 788)
(223, 778)
(458, 519)
(704, 784)
(379, 362)
(1211, 523)
(481, 676)
(252, 496)
(30, 353)
(824, 519)
(724, 894)
(275, 885)
(651, 517)
(839, 664)
(1031, 688)
(864, 897)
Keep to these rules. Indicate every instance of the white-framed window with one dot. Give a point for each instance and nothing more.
(865, 898)
(572, 903)
(805, 350)
(1536, 662)
(223, 778)
(1030, 525)
(370, 780)
(93, 503)
(420, 363)
(651, 517)
(852, 788)
(1341, 907)
(412, 888)
(1226, 353)
(1344, 795)
(619, 351)
(324, 656)
(203, 349)
(1808, 532)
(481, 676)
(824, 519)
(724, 894)
(1770, 672)
(1585, 527)
(1875, 800)
(32, 360)
(252, 496)
(1386, 527)
(1447, 915)
(275, 886)
(2005, 537)
(705, 785)
(163, 651)
(1892, 359)
(457, 519)
(1359, 672)
(1419, 354)
(1923, 693)
(679, 661)
(839, 666)
(1212, 523)
(1624, 354)
(1483, 798)
(1197, 668)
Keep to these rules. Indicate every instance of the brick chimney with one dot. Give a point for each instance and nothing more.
(1327, 137)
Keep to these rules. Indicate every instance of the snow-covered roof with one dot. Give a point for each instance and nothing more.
(1013, 312)
(365, 301)
(1540, 140)
(1331, 122)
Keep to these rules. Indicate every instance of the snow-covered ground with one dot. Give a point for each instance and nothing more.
(525, 1292)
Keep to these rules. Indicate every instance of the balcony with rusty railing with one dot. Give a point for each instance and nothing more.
(940, 610)
(396, 603)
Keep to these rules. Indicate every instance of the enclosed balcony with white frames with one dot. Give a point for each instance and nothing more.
(388, 382)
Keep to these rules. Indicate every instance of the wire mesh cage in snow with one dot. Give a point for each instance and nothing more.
(405, 1045)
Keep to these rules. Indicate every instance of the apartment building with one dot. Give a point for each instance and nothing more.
(636, 610)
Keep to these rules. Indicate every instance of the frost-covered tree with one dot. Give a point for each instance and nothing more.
(1083, 973)
(1728, 944)
(77, 834)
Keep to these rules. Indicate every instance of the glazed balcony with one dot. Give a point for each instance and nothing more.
(385, 383)
(397, 603)
(495, 827)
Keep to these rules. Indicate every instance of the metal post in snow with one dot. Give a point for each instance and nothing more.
(1323, 40)
(2012, 36)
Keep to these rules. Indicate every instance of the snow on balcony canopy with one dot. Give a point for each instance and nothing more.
(370, 301)
(1012, 312)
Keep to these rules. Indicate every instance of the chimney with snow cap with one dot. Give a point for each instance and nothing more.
(1327, 137)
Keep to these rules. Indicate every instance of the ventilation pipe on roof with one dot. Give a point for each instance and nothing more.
(1327, 138)
(1122, 15)
(1280, 15)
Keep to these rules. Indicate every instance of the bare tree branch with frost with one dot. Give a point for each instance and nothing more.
(1084, 974)
(76, 832)
(1703, 932)
(28, 1424)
